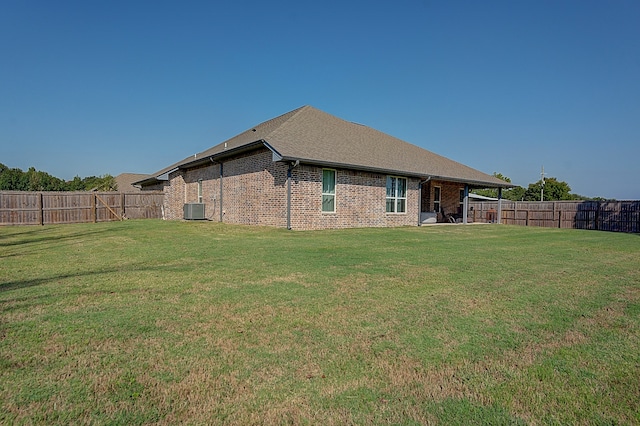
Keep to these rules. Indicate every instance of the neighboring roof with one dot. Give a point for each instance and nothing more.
(312, 136)
(125, 181)
(481, 197)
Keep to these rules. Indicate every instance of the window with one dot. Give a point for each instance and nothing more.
(396, 194)
(461, 200)
(199, 190)
(436, 199)
(328, 190)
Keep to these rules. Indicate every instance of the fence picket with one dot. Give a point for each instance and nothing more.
(617, 216)
(47, 208)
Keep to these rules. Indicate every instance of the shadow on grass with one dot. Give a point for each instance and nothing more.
(27, 231)
(42, 235)
(27, 283)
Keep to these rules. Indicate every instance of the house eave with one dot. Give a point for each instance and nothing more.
(475, 184)
(153, 180)
(278, 157)
(471, 182)
(218, 156)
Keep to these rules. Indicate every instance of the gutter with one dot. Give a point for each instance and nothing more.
(194, 161)
(471, 182)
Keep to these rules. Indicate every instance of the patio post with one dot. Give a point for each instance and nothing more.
(465, 204)
(499, 205)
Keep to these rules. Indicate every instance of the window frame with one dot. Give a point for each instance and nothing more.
(437, 201)
(328, 194)
(395, 198)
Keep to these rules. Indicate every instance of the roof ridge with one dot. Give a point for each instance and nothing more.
(254, 129)
(293, 113)
(265, 124)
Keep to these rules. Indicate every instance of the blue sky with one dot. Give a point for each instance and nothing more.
(96, 87)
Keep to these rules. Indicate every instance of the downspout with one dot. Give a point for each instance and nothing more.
(214, 197)
(465, 204)
(420, 199)
(289, 169)
(221, 211)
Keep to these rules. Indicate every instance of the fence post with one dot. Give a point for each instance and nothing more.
(617, 216)
(40, 209)
(94, 208)
(122, 202)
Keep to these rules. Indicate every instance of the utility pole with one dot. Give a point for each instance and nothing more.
(542, 187)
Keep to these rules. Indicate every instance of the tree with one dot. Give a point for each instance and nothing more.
(100, 183)
(34, 180)
(13, 179)
(41, 181)
(554, 190)
(514, 194)
(76, 184)
(492, 192)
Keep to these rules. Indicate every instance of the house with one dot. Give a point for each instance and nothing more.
(125, 181)
(307, 169)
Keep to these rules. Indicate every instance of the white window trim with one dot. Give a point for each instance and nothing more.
(396, 198)
(439, 200)
(335, 190)
(200, 198)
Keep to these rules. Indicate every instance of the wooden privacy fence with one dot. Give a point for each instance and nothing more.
(618, 216)
(46, 208)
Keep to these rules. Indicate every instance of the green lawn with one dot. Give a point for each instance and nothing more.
(145, 322)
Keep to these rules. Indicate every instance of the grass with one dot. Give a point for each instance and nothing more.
(151, 322)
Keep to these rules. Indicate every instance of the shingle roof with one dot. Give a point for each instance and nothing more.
(315, 137)
(125, 181)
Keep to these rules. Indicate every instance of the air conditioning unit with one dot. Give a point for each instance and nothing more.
(194, 211)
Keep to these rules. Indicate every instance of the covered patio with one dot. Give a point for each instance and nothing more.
(445, 201)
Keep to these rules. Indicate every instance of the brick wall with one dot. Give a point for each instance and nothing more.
(360, 200)
(174, 196)
(183, 189)
(255, 193)
(449, 196)
(255, 190)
